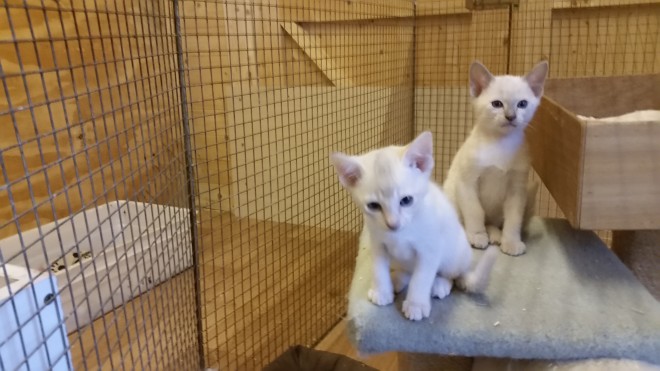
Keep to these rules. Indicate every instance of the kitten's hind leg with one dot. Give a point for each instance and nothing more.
(494, 234)
(400, 279)
(441, 287)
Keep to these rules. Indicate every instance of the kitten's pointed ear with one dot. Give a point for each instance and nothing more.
(536, 78)
(480, 78)
(419, 153)
(348, 169)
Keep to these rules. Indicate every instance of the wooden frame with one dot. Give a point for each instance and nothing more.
(603, 175)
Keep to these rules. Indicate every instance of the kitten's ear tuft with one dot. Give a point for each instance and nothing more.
(536, 78)
(419, 153)
(480, 78)
(348, 169)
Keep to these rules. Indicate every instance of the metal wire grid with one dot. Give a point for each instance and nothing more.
(90, 112)
(273, 89)
(266, 101)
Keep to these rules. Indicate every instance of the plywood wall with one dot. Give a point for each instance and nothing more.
(587, 38)
(88, 112)
(207, 59)
(448, 39)
(276, 86)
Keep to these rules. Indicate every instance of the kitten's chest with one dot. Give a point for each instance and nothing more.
(399, 248)
(503, 154)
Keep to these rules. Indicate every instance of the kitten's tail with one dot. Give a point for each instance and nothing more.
(476, 281)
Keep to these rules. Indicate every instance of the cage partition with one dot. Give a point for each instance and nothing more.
(167, 201)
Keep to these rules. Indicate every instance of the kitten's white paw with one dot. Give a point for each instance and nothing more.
(494, 234)
(400, 280)
(513, 247)
(441, 287)
(478, 239)
(381, 297)
(416, 311)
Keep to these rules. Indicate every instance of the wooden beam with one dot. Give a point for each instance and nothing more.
(433, 8)
(311, 45)
(572, 4)
(343, 10)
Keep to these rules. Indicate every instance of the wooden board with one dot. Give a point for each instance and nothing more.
(425, 8)
(621, 175)
(204, 35)
(374, 53)
(600, 96)
(343, 10)
(556, 144)
(379, 53)
(490, 4)
(311, 45)
(571, 4)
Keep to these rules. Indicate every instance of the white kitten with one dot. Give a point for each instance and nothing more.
(487, 180)
(410, 226)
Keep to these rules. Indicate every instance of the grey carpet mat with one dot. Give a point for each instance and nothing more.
(568, 297)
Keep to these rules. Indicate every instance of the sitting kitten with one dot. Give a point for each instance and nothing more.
(410, 225)
(487, 180)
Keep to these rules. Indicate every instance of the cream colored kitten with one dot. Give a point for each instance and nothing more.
(410, 226)
(487, 180)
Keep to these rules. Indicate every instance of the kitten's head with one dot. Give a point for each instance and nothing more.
(388, 184)
(506, 103)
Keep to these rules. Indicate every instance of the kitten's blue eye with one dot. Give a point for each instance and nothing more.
(406, 201)
(522, 104)
(373, 206)
(497, 104)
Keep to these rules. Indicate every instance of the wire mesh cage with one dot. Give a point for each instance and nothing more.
(94, 201)
(167, 199)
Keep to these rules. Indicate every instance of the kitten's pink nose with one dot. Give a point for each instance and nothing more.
(510, 118)
(392, 225)
(391, 220)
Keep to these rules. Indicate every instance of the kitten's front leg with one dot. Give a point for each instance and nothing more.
(381, 292)
(418, 301)
(514, 210)
(473, 214)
